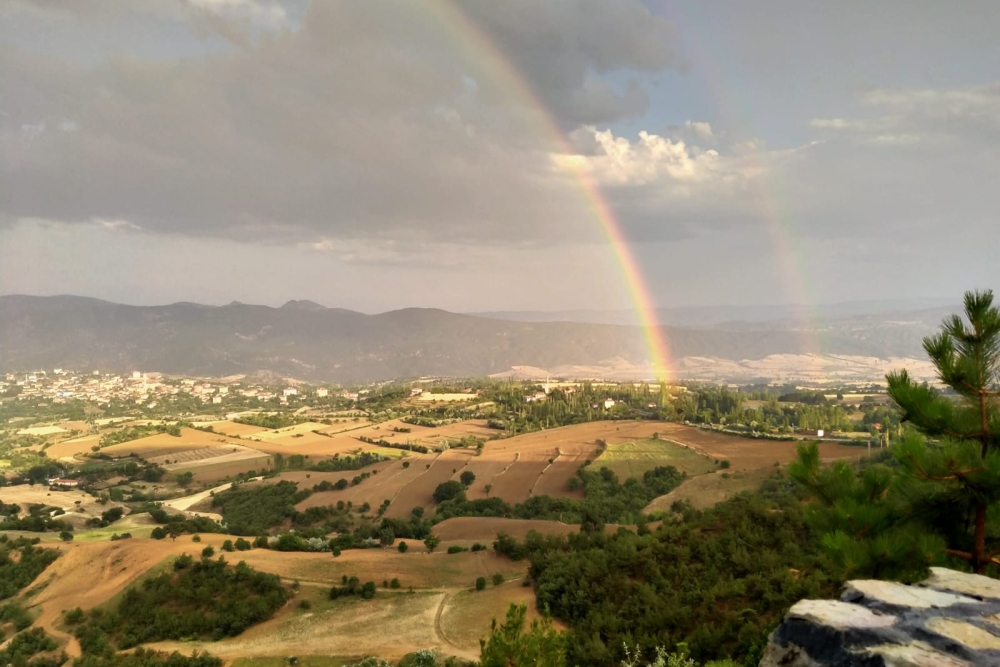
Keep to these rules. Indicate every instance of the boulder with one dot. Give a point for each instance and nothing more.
(951, 619)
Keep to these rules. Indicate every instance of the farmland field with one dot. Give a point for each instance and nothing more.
(707, 490)
(467, 614)
(485, 529)
(39, 494)
(233, 429)
(163, 444)
(747, 454)
(632, 459)
(67, 448)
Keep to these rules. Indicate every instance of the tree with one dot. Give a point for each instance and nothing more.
(66, 536)
(386, 537)
(942, 495)
(402, 547)
(208, 552)
(431, 542)
(960, 465)
(467, 478)
(511, 645)
(448, 490)
(480, 583)
(497, 578)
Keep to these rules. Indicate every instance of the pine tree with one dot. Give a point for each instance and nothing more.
(942, 495)
(960, 465)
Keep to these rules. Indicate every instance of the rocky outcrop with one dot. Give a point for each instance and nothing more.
(951, 619)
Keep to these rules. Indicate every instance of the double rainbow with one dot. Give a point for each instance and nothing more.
(482, 51)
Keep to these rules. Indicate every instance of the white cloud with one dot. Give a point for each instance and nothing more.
(648, 159)
(267, 15)
(838, 124)
(700, 129)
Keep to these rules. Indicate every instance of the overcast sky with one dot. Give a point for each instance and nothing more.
(376, 154)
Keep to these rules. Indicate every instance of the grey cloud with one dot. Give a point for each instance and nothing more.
(359, 125)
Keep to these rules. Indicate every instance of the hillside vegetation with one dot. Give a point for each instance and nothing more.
(196, 599)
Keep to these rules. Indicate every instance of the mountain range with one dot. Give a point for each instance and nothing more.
(306, 340)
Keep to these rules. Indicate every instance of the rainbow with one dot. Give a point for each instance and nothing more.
(767, 197)
(485, 54)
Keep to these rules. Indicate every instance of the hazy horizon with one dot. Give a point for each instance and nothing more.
(480, 156)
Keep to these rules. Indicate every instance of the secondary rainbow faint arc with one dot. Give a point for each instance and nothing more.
(487, 55)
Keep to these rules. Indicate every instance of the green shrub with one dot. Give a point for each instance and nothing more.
(480, 583)
(497, 579)
(402, 547)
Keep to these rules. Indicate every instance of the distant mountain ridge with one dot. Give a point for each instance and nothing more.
(306, 340)
(703, 316)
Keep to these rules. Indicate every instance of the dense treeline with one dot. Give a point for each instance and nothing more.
(252, 511)
(17, 571)
(405, 446)
(270, 421)
(140, 431)
(173, 525)
(146, 658)
(356, 462)
(22, 649)
(204, 599)
(718, 580)
(606, 500)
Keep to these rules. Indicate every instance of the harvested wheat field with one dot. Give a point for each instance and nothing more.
(67, 449)
(391, 478)
(233, 429)
(515, 484)
(419, 491)
(486, 469)
(163, 444)
(577, 436)
(554, 480)
(747, 454)
(212, 471)
(194, 458)
(484, 529)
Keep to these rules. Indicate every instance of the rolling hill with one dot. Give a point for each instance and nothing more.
(308, 341)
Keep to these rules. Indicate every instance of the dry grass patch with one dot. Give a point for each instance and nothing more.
(389, 626)
(707, 490)
(467, 615)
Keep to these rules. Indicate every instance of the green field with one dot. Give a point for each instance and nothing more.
(632, 459)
